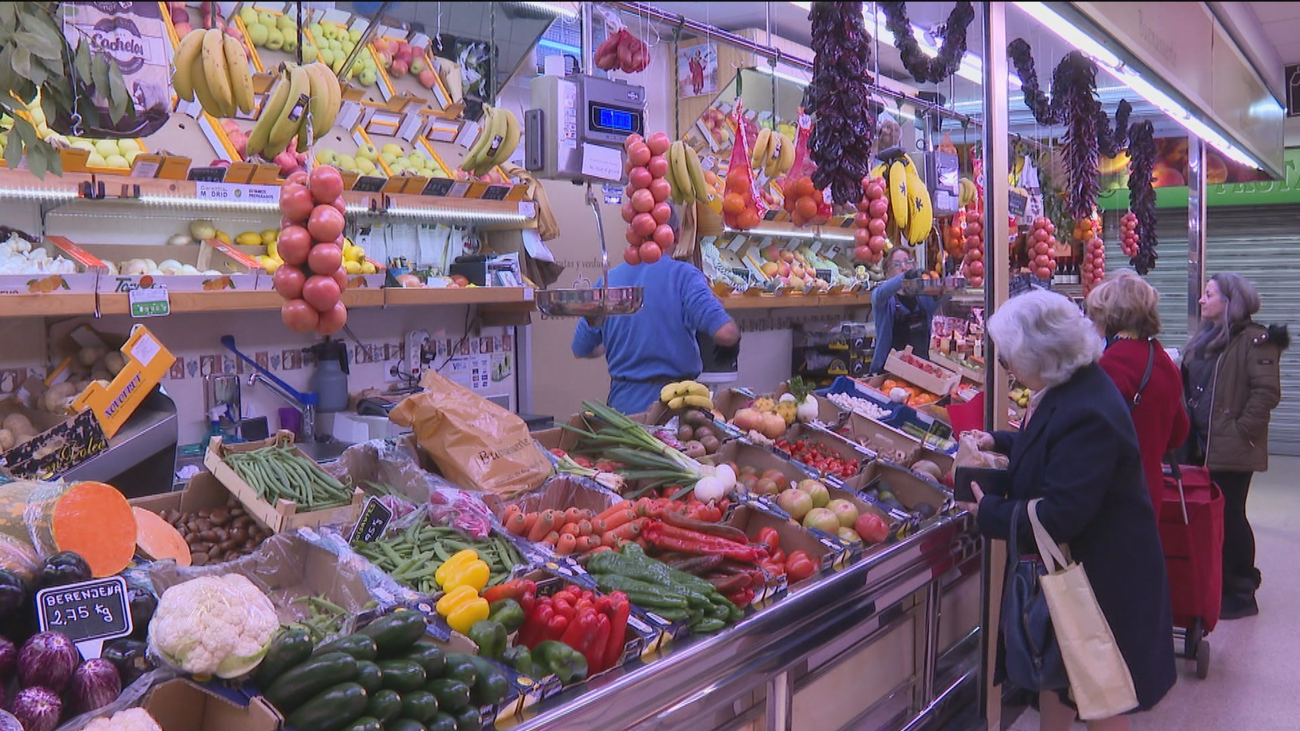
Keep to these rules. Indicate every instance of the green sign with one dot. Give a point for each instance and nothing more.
(149, 302)
(1261, 193)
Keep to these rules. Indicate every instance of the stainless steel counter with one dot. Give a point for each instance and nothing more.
(890, 641)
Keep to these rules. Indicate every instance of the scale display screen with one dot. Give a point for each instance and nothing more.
(614, 120)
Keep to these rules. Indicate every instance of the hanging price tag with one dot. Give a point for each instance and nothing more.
(88, 613)
(149, 302)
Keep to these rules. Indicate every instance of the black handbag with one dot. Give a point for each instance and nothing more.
(1031, 657)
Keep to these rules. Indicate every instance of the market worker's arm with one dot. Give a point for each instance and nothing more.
(704, 311)
(588, 341)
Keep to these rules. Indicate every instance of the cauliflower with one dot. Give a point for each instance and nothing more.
(213, 625)
(132, 719)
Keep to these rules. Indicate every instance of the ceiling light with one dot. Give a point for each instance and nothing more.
(771, 72)
(1072, 35)
(553, 9)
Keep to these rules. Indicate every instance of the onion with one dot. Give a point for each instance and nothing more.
(725, 475)
(180, 240)
(808, 410)
(710, 488)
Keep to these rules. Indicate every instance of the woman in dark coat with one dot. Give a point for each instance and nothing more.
(1078, 451)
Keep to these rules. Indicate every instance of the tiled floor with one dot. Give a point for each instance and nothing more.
(1255, 662)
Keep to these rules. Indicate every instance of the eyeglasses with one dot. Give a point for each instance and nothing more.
(1002, 361)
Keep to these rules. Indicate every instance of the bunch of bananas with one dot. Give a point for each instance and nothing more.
(967, 192)
(277, 124)
(684, 394)
(909, 200)
(212, 66)
(498, 136)
(773, 153)
(686, 176)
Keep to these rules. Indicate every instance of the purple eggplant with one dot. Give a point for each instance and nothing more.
(8, 659)
(47, 660)
(37, 709)
(94, 685)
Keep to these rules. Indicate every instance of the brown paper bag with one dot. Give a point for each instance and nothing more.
(475, 443)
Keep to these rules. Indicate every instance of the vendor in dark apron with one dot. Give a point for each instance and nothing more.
(901, 319)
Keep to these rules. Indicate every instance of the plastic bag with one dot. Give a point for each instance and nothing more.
(742, 208)
(970, 455)
(799, 187)
(474, 442)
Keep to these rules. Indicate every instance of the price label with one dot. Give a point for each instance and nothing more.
(438, 186)
(496, 193)
(146, 166)
(207, 175)
(237, 193)
(1016, 203)
(458, 189)
(149, 302)
(375, 518)
(86, 613)
(825, 274)
(369, 184)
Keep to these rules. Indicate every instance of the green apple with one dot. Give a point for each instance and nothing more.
(326, 156)
(309, 50)
(349, 46)
(258, 33)
(84, 145)
(368, 77)
(336, 45)
(116, 161)
(417, 66)
(369, 152)
(399, 167)
(130, 156)
(291, 42)
(365, 166)
(326, 56)
(346, 162)
(248, 15)
(337, 66)
(393, 148)
(266, 19)
(97, 160)
(274, 39)
(107, 148)
(388, 157)
(127, 146)
(354, 35)
(286, 23)
(315, 29)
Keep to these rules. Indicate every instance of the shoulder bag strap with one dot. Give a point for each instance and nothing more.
(1047, 548)
(1146, 376)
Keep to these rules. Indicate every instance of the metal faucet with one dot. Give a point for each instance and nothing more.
(308, 411)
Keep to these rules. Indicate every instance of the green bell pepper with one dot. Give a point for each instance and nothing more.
(556, 657)
(490, 637)
(508, 613)
(519, 658)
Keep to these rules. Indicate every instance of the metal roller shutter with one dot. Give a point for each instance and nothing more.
(1261, 244)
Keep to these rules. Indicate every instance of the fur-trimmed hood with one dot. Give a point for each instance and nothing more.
(1276, 334)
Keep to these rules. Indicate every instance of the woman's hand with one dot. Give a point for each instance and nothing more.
(973, 508)
(983, 440)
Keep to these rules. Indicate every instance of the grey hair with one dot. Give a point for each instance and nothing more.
(1242, 301)
(1045, 334)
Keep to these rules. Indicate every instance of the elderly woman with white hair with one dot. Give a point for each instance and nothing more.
(1078, 452)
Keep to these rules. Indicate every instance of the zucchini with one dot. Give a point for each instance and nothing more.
(303, 681)
(420, 705)
(452, 695)
(289, 648)
(394, 634)
(369, 676)
(365, 723)
(332, 710)
(461, 667)
(492, 686)
(384, 705)
(428, 656)
(468, 719)
(441, 722)
(402, 676)
(359, 646)
(404, 724)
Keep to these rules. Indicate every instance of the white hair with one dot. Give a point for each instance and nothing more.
(1045, 334)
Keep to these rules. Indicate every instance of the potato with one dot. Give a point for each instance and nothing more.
(6, 440)
(18, 423)
(114, 362)
(91, 356)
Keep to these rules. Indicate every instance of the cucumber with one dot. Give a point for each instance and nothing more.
(365, 723)
(402, 676)
(420, 705)
(289, 648)
(452, 695)
(468, 719)
(369, 676)
(430, 657)
(441, 722)
(395, 633)
(461, 667)
(331, 710)
(359, 646)
(492, 686)
(384, 705)
(303, 681)
(404, 724)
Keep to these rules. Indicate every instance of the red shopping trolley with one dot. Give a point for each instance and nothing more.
(1190, 516)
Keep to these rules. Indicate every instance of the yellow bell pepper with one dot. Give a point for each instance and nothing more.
(463, 569)
(462, 607)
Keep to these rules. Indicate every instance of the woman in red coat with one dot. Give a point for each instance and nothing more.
(1124, 310)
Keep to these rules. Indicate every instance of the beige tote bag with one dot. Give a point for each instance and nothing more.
(1099, 678)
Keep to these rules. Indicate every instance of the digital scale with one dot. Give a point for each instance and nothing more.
(575, 119)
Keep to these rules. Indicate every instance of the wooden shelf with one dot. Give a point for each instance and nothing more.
(521, 297)
(781, 302)
(48, 304)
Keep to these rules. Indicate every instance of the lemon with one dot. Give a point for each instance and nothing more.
(368, 267)
(352, 267)
(269, 235)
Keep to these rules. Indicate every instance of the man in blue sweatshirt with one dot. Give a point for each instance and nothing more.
(901, 320)
(657, 345)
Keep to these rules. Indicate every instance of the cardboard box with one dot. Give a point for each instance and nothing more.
(836, 444)
(236, 270)
(202, 491)
(909, 489)
(940, 383)
(820, 548)
(284, 515)
(184, 705)
(61, 442)
(885, 441)
(147, 361)
(83, 281)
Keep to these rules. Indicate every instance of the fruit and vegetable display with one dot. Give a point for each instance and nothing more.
(498, 137)
(574, 633)
(214, 67)
(973, 263)
(312, 278)
(622, 51)
(871, 222)
(646, 209)
(280, 473)
(667, 592)
(416, 554)
(858, 405)
(1042, 236)
(686, 394)
(742, 208)
(821, 458)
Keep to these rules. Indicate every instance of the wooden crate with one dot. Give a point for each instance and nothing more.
(938, 385)
(283, 516)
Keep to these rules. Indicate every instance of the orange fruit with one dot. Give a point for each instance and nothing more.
(806, 206)
(737, 184)
(733, 203)
(747, 219)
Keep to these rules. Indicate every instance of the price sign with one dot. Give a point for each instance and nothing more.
(369, 184)
(1016, 203)
(207, 175)
(87, 613)
(825, 274)
(496, 193)
(237, 193)
(438, 186)
(375, 518)
(149, 302)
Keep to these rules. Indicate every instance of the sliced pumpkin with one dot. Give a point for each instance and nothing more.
(95, 521)
(157, 540)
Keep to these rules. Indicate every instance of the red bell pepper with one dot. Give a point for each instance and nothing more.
(555, 627)
(593, 643)
(622, 608)
(535, 623)
(770, 537)
(521, 590)
(580, 626)
(563, 604)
